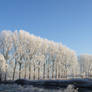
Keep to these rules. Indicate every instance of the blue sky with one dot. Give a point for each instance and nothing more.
(66, 21)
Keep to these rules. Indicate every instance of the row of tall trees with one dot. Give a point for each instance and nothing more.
(28, 56)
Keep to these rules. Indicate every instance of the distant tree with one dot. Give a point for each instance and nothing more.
(85, 61)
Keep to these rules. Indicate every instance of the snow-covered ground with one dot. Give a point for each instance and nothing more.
(18, 88)
(23, 85)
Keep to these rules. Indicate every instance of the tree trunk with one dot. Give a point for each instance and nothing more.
(5, 73)
(34, 73)
(44, 71)
(14, 71)
(56, 72)
(29, 71)
(38, 73)
(53, 70)
(48, 73)
(25, 71)
(20, 70)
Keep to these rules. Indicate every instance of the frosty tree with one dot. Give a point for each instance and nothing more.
(6, 46)
(31, 57)
(2, 66)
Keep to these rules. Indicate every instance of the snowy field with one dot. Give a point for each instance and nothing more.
(18, 88)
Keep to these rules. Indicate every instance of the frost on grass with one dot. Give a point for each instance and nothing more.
(70, 88)
(18, 88)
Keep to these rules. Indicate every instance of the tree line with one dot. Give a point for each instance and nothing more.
(23, 55)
